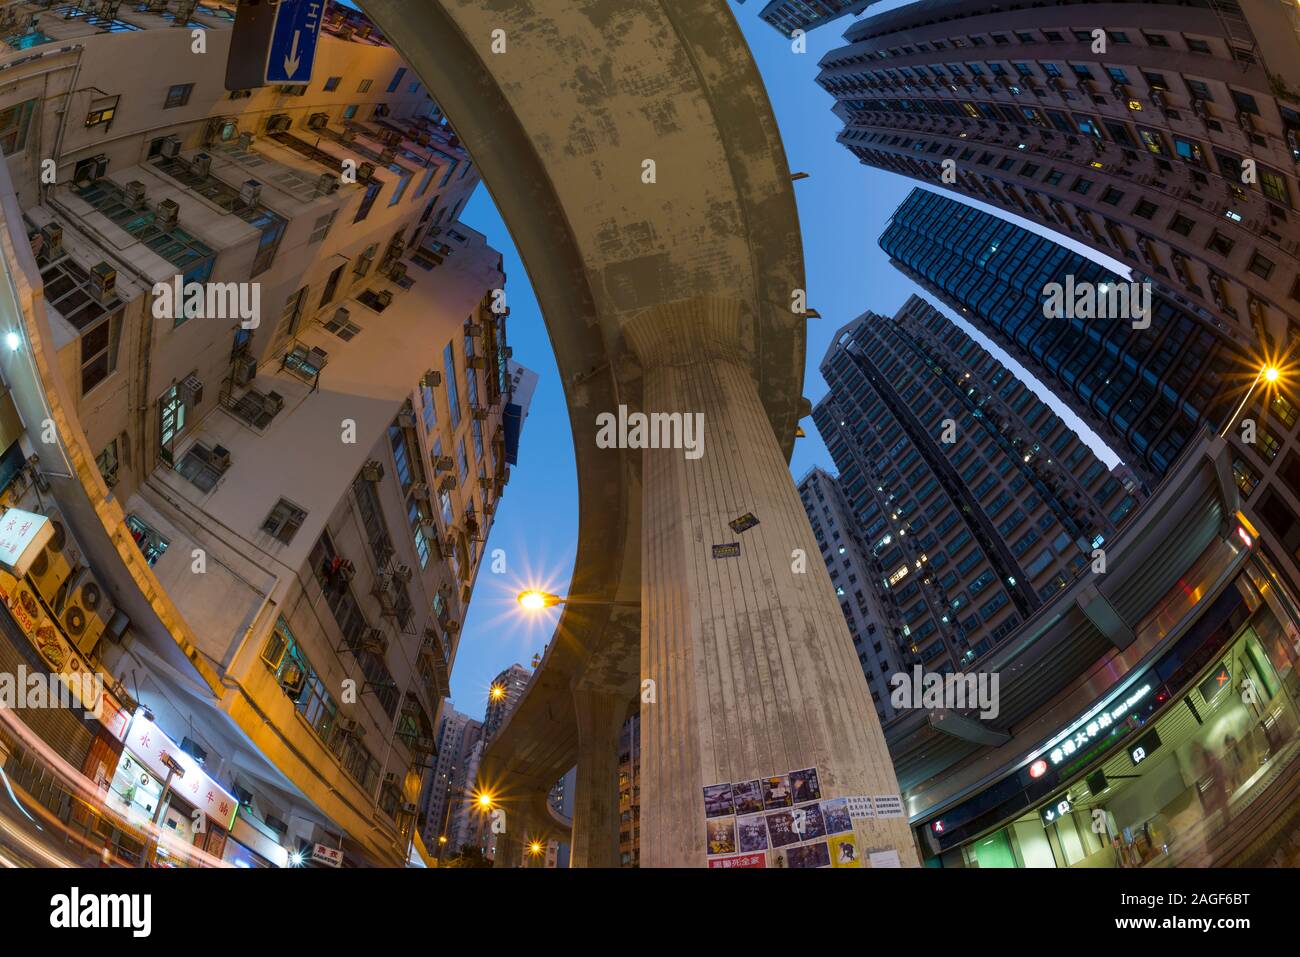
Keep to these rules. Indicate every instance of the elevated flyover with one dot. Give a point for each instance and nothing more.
(633, 153)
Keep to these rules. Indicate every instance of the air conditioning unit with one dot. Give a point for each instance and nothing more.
(278, 122)
(193, 389)
(397, 272)
(373, 471)
(404, 573)
(406, 419)
(201, 165)
(272, 403)
(447, 484)
(245, 141)
(244, 369)
(374, 641)
(409, 808)
(366, 172)
(135, 195)
(103, 282)
(86, 612)
(421, 491)
(166, 214)
(250, 193)
(350, 726)
(54, 565)
(431, 379)
(423, 743)
(444, 463)
(317, 357)
(220, 458)
(326, 183)
(171, 146)
(52, 235)
(318, 121)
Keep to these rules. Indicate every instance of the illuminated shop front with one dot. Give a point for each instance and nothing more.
(157, 782)
(1151, 774)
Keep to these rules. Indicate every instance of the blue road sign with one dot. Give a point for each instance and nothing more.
(293, 41)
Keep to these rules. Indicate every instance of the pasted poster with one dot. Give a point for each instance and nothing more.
(804, 785)
(860, 807)
(844, 851)
(804, 855)
(751, 833)
(722, 835)
(888, 805)
(717, 800)
(835, 814)
(776, 792)
(747, 797)
(740, 860)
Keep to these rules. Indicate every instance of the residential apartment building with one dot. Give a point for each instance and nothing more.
(787, 16)
(975, 501)
(283, 479)
(849, 561)
(1165, 135)
(503, 694)
(1144, 390)
(448, 788)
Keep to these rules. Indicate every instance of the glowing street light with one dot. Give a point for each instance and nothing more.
(1268, 374)
(535, 848)
(13, 341)
(534, 599)
(496, 692)
(484, 801)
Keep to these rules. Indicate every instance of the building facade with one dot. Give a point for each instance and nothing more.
(1165, 135)
(1144, 390)
(851, 566)
(976, 503)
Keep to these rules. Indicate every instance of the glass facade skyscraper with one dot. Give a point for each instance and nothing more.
(1143, 390)
(975, 501)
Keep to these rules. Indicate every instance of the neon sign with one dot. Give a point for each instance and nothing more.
(1100, 722)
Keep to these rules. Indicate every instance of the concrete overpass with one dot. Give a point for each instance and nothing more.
(634, 155)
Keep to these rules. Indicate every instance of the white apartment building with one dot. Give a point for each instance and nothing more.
(283, 496)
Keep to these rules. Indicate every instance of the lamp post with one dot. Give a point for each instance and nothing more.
(1268, 374)
(534, 599)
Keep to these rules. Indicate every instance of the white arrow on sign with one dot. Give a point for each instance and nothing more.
(291, 62)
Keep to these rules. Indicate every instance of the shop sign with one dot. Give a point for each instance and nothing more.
(156, 751)
(1054, 812)
(1144, 748)
(1098, 725)
(22, 537)
(324, 854)
(1212, 685)
(739, 860)
(60, 655)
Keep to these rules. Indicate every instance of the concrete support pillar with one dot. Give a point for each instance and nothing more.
(595, 801)
(754, 669)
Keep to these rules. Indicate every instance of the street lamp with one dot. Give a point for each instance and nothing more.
(1268, 374)
(496, 692)
(534, 599)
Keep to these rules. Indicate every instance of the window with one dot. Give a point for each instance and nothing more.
(298, 679)
(332, 83)
(322, 227)
(108, 463)
(1197, 46)
(350, 111)
(372, 190)
(1261, 266)
(1181, 224)
(453, 397)
(342, 326)
(178, 95)
(1220, 243)
(99, 350)
(172, 409)
(14, 122)
(101, 111)
(1155, 39)
(1145, 208)
(331, 284)
(364, 86)
(284, 521)
(397, 79)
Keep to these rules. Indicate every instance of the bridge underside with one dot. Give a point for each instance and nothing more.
(632, 151)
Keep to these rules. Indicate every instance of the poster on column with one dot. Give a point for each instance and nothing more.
(888, 805)
(721, 835)
(802, 856)
(835, 814)
(844, 851)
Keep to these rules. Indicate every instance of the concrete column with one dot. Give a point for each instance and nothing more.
(754, 669)
(595, 801)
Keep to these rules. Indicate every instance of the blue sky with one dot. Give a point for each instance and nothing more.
(843, 208)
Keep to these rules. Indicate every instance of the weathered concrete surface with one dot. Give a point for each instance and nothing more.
(562, 124)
